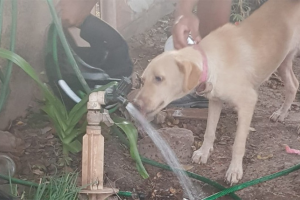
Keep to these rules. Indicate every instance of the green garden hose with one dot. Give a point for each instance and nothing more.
(55, 56)
(5, 78)
(1, 22)
(191, 175)
(253, 182)
(19, 181)
(67, 49)
(125, 194)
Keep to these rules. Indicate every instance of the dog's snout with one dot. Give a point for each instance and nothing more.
(138, 104)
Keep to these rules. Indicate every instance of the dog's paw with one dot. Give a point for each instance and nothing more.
(234, 173)
(278, 116)
(202, 154)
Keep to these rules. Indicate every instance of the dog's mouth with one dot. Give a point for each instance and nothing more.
(154, 111)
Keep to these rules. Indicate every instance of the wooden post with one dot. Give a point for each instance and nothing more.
(93, 151)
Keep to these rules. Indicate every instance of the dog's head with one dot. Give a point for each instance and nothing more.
(168, 77)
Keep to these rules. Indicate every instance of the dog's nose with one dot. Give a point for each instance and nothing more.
(137, 104)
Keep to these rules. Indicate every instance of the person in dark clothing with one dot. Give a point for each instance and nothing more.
(108, 51)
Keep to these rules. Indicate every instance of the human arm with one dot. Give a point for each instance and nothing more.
(185, 23)
(74, 12)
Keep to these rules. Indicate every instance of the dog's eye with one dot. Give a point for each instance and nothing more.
(158, 79)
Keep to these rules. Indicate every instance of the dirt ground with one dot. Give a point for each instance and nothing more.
(265, 153)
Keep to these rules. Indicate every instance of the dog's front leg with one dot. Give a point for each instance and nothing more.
(214, 111)
(245, 109)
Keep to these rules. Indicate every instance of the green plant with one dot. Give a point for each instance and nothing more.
(54, 188)
(240, 10)
(131, 132)
(51, 188)
(66, 122)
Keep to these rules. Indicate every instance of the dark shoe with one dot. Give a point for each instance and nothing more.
(190, 101)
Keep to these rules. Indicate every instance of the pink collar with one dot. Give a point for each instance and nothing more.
(203, 77)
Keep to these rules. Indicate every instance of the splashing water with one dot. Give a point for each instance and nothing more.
(166, 151)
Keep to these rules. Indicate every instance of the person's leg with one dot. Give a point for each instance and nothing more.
(212, 15)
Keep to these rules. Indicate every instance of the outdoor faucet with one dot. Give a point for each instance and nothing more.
(118, 93)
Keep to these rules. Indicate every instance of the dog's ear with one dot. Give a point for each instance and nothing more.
(191, 74)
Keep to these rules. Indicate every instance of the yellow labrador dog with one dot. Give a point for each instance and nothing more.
(228, 66)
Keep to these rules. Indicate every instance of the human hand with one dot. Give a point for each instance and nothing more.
(184, 25)
(74, 12)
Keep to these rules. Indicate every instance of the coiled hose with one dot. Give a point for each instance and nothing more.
(5, 78)
(67, 49)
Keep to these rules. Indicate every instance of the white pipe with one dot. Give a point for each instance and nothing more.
(64, 86)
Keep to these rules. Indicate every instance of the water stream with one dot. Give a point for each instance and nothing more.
(166, 151)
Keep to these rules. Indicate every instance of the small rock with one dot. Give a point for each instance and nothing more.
(38, 172)
(160, 118)
(10, 143)
(46, 130)
(19, 123)
(264, 157)
(169, 124)
(159, 175)
(222, 142)
(252, 129)
(187, 167)
(172, 190)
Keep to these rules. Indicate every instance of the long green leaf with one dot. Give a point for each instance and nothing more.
(132, 134)
(54, 108)
(52, 115)
(74, 147)
(75, 133)
(18, 60)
